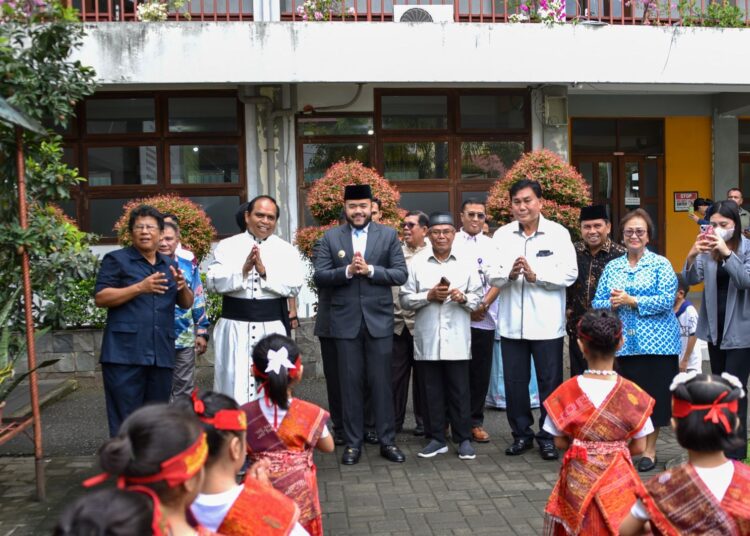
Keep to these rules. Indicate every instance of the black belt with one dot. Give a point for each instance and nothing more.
(245, 310)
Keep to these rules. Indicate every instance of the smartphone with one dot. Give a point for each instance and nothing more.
(707, 229)
(691, 210)
(444, 282)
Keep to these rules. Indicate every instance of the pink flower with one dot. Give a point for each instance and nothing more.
(524, 7)
(318, 15)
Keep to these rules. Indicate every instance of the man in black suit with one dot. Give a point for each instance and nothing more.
(359, 262)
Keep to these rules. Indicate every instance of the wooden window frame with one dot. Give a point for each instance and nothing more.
(80, 141)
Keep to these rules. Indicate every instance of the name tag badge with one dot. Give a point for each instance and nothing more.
(544, 253)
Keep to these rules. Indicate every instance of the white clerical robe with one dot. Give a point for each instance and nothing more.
(234, 340)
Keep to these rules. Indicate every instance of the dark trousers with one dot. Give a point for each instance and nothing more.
(445, 385)
(480, 368)
(366, 360)
(128, 387)
(577, 361)
(333, 386)
(517, 373)
(401, 369)
(737, 363)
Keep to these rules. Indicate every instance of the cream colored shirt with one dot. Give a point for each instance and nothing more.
(442, 331)
(404, 319)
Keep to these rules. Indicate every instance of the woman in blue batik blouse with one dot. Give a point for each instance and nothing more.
(641, 287)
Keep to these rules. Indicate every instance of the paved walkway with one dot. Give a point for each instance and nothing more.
(443, 496)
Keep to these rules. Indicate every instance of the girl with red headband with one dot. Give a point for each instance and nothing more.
(601, 418)
(711, 493)
(254, 508)
(285, 430)
(159, 451)
(115, 512)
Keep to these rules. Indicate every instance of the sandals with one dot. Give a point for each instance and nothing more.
(646, 464)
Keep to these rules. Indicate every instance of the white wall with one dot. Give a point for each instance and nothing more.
(241, 52)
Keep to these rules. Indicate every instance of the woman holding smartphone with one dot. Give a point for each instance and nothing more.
(720, 258)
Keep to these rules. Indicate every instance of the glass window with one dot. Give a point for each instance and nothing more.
(594, 135)
(109, 166)
(69, 156)
(475, 196)
(744, 135)
(221, 7)
(204, 164)
(643, 136)
(492, 112)
(318, 157)
(68, 206)
(427, 202)
(335, 126)
(414, 112)
(489, 159)
(413, 161)
(103, 214)
(120, 116)
(221, 210)
(202, 114)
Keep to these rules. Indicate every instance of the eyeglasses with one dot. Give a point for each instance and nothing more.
(408, 225)
(145, 227)
(444, 232)
(475, 215)
(640, 233)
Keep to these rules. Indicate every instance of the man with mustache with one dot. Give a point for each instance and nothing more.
(257, 272)
(359, 261)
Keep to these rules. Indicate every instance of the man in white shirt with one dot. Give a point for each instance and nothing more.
(479, 249)
(443, 288)
(256, 271)
(536, 263)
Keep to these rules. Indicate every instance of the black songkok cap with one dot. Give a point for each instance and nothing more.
(357, 191)
(441, 218)
(594, 212)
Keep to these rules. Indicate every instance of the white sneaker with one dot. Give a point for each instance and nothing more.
(466, 451)
(433, 448)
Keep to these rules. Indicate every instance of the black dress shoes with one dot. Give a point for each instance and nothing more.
(338, 438)
(548, 452)
(371, 438)
(392, 453)
(351, 456)
(518, 446)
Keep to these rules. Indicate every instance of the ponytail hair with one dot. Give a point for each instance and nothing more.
(693, 431)
(107, 512)
(276, 384)
(149, 436)
(600, 330)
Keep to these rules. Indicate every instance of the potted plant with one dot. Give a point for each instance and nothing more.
(11, 347)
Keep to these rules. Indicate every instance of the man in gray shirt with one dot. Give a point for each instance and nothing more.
(443, 288)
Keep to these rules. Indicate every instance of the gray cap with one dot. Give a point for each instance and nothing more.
(441, 218)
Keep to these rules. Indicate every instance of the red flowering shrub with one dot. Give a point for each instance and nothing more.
(196, 230)
(325, 198)
(565, 190)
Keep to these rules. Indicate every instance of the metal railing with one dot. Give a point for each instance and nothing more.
(195, 10)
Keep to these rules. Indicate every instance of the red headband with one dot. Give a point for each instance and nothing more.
(683, 408)
(174, 471)
(224, 419)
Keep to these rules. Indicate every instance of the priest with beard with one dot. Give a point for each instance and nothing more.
(359, 262)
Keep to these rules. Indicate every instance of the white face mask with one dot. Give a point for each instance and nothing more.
(725, 233)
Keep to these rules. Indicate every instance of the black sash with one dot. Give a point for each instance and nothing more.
(245, 310)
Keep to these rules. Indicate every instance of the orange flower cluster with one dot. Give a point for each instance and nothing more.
(565, 190)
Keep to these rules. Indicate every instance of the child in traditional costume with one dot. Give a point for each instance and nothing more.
(710, 494)
(254, 508)
(159, 451)
(285, 430)
(601, 418)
